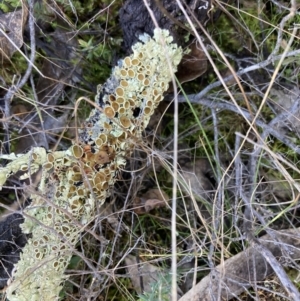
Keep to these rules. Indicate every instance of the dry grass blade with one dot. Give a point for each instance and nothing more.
(207, 207)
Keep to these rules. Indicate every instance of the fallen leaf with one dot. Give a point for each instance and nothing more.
(285, 101)
(153, 198)
(195, 180)
(112, 218)
(11, 32)
(145, 278)
(144, 273)
(193, 64)
(154, 203)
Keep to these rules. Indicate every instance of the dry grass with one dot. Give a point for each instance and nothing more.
(234, 134)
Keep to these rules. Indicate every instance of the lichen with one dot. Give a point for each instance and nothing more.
(76, 182)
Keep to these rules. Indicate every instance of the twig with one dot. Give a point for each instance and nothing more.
(12, 90)
(220, 104)
(282, 6)
(285, 19)
(239, 172)
(217, 204)
(279, 271)
(257, 66)
(175, 170)
(236, 274)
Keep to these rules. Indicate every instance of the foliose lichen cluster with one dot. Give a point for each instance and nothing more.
(76, 182)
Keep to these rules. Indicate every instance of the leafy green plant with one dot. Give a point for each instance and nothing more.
(160, 290)
(97, 58)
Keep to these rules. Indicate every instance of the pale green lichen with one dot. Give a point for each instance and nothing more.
(76, 182)
(29, 163)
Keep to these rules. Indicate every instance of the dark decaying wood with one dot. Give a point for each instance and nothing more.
(136, 20)
(12, 240)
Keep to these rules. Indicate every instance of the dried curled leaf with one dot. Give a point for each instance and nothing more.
(193, 64)
(153, 198)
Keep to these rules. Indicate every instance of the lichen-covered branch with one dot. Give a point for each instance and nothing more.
(76, 182)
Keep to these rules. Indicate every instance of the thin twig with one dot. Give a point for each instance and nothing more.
(279, 271)
(284, 20)
(12, 90)
(220, 104)
(257, 66)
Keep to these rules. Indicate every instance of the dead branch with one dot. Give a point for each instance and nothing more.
(236, 274)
